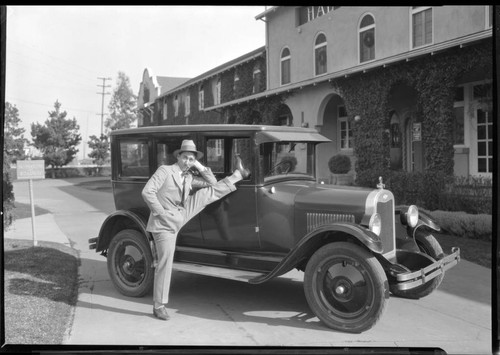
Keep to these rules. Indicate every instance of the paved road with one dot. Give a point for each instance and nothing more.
(209, 311)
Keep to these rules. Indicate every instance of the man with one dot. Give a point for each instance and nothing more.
(167, 196)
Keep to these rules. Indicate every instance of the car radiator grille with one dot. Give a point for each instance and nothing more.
(315, 220)
(386, 211)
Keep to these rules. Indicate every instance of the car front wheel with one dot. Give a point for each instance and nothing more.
(130, 263)
(346, 287)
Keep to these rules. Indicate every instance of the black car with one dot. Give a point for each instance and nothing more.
(353, 244)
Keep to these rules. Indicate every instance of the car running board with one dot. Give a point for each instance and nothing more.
(220, 272)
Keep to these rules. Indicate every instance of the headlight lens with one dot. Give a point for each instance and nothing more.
(412, 216)
(375, 224)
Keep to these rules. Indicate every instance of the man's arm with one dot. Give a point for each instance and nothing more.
(207, 178)
(151, 189)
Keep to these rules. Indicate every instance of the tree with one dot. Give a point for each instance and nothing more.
(14, 140)
(13, 150)
(100, 149)
(122, 105)
(57, 139)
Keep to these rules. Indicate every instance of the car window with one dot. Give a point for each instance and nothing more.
(285, 158)
(243, 148)
(134, 157)
(221, 154)
(165, 148)
(215, 154)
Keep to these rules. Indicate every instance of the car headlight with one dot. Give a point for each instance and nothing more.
(412, 216)
(375, 224)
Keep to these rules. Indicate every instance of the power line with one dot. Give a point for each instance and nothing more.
(102, 105)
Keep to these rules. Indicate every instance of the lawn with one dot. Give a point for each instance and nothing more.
(477, 251)
(41, 289)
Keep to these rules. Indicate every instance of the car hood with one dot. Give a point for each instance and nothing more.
(332, 199)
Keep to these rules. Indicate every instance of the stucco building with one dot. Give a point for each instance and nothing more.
(402, 88)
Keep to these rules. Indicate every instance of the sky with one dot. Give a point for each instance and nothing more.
(59, 52)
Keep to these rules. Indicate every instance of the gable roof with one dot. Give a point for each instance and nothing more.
(167, 83)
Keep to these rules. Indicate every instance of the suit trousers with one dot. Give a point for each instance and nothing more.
(165, 240)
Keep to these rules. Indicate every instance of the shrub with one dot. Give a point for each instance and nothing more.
(461, 224)
(468, 194)
(339, 164)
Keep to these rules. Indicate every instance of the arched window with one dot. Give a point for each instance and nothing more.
(285, 66)
(367, 39)
(320, 54)
(201, 98)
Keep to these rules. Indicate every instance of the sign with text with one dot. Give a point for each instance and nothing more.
(417, 132)
(30, 169)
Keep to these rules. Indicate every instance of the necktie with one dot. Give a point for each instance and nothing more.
(184, 190)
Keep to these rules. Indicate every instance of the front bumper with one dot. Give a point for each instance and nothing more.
(425, 268)
(93, 243)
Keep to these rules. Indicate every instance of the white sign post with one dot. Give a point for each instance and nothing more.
(29, 170)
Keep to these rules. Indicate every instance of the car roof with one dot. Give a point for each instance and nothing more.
(211, 128)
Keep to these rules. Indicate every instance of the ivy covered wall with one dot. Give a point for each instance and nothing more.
(254, 112)
(434, 78)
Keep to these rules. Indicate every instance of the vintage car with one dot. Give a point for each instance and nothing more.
(353, 244)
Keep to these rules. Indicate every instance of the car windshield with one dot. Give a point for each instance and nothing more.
(287, 158)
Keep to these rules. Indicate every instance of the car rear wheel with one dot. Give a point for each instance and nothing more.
(427, 244)
(130, 263)
(346, 287)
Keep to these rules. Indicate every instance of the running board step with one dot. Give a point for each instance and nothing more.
(220, 272)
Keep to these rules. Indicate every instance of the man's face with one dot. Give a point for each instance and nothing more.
(185, 160)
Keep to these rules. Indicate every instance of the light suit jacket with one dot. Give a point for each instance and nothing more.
(164, 196)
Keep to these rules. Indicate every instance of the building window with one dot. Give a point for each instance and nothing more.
(187, 102)
(421, 25)
(201, 98)
(367, 39)
(218, 92)
(256, 79)
(285, 66)
(459, 122)
(165, 111)
(320, 54)
(236, 81)
(345, 131)
(176, 106)
(484, 141)
(145, 96)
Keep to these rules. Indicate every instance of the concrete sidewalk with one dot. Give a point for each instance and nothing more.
(46, 229)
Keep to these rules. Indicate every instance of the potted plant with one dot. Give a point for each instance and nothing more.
(339, 166)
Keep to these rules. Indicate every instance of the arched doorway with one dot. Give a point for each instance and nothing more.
(284, 116)
(334, 124)
(407, 150)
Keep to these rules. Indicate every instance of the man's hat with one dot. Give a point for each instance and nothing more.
(188, 146)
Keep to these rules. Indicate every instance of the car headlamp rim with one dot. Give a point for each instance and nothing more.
(412, 215)
(375, 224)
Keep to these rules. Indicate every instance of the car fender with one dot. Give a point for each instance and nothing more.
(320, 236)
(424, 220)
(120, 220)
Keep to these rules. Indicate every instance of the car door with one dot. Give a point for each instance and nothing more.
(231, 222)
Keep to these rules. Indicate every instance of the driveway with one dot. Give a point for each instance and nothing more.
(207, 311)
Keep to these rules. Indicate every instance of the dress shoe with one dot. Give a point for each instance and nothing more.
(161, 313)
(239, 166)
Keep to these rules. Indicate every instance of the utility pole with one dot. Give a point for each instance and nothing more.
(103, 86)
